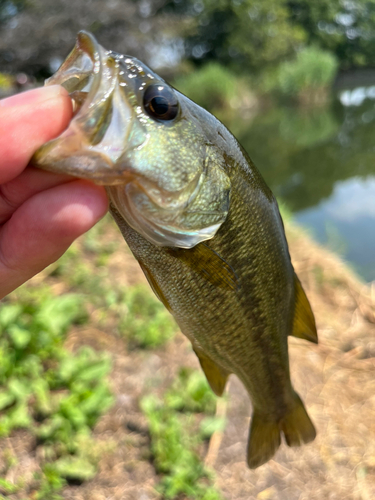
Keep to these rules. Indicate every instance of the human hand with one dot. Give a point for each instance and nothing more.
(41, 213)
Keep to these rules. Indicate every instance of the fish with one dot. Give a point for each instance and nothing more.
(202, 223)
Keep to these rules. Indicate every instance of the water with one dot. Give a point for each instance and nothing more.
(321, 163)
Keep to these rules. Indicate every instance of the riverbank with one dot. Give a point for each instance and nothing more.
(334, 378)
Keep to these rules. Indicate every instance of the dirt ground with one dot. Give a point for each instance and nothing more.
(335, 379)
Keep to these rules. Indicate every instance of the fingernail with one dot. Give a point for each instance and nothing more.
(34, 96)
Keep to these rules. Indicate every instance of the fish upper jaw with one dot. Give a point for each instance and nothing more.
(104, 127)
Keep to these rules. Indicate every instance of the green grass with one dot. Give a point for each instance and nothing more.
(176, 437)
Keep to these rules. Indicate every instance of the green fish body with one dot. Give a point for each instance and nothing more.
(202, 223)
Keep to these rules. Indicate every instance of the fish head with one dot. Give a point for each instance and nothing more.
(149, 144)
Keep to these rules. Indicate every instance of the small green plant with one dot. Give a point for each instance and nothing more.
(175, 437)
(190, 392)
(58, 396)
(49, 484)
(145, 322)
(7, 487)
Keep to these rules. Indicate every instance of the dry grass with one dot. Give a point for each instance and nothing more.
(335, 379)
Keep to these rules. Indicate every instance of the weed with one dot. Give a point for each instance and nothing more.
(7, 487)
(175, 439)
(145, 323)
(55, 394)
(190, 392)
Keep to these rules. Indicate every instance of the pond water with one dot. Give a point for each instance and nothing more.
(321, 163)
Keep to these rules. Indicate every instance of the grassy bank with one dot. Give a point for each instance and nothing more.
(116, 405)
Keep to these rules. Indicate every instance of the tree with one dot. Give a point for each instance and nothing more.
(250, 35)
(245, 34)
(36, 38)
(345, 27)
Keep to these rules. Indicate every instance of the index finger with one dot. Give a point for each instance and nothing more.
(27, 121)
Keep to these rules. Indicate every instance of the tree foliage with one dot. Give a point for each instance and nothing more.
(36, 35)
(344, 27)
(253, 34)
(246, 35)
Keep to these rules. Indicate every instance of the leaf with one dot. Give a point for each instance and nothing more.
(43, 401)
(6, 399)
(209, 425)
(75, 468)
(58, 313)
(19, 388)
(9, 314)
(94, 371)
(19, 417)
(7, 487)
(19, 336)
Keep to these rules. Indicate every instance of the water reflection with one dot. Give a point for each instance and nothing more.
(346, 223)
(321, 163)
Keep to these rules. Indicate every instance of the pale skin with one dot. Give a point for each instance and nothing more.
(41, 213)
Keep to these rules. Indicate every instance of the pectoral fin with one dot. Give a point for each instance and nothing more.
(216, 376)
(155, 286)
(304, 326)
(209, 264)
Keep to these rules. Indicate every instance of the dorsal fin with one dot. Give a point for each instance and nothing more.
(304, 326)
(216, 376)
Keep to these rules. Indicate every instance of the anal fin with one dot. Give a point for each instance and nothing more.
(216, 376)
(304, 326)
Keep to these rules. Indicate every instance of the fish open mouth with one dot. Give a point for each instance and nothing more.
(94, 144)
(80, 72)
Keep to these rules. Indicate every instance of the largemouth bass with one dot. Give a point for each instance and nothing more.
(202, 223)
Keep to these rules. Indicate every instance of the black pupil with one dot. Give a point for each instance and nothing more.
(160, 102)
(159, 105)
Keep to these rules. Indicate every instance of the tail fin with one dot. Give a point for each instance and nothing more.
(297, 426)
(264, 439)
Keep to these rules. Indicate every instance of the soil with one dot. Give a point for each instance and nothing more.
(335, 379)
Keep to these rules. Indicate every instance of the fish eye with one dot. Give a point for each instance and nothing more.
(160, 102)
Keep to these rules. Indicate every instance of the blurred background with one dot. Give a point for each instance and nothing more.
(99, 396)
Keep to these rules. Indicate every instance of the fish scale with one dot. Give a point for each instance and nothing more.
(202, 223)
(197, 312)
